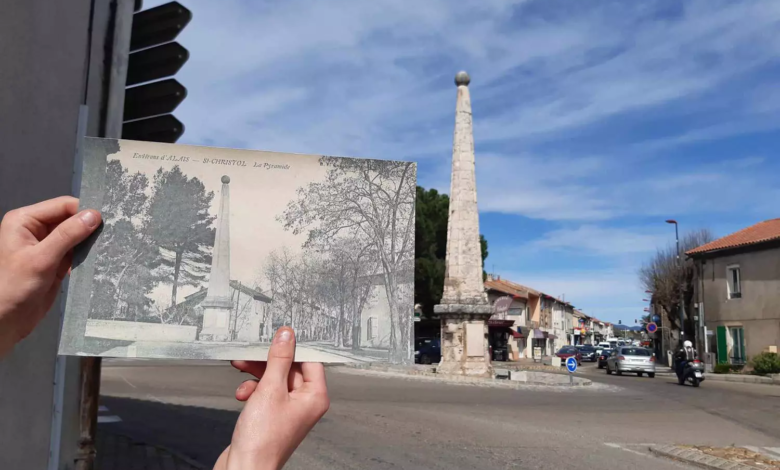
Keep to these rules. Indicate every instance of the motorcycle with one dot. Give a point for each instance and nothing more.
(693, 372)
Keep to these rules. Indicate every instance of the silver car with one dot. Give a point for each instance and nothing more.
(631, 359)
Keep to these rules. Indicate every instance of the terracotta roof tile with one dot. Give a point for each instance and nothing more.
(758, 233)
(507, 287)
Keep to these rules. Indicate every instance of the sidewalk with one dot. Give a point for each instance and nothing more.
(117, 452)
(722, 458)
(744, 378)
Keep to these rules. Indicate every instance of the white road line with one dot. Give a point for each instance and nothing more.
(156, 399)
(102, 409)
(108, 419)
(618, 446)
(127, 381)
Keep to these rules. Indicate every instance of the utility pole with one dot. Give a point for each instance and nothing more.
(678, 263)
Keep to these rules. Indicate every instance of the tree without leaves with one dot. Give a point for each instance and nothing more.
(180, 225)
(364, 198)
(665, 278)
(346, 285)
(431, 247)
(278, 270)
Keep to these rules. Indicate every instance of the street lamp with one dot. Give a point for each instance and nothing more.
(679, 267)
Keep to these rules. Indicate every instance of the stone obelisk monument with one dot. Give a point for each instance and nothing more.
(464, 307)
(217, 305)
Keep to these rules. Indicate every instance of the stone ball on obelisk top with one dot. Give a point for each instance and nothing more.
(462, 78)
(225, 179)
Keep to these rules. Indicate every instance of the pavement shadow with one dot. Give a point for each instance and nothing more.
(198, 433)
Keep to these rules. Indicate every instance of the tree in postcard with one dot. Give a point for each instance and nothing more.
(370, 199)
(180, 225)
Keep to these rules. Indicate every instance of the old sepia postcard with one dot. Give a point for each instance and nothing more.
(205, 252)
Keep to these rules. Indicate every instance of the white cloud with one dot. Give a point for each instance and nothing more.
(377, 76)
(602, 241)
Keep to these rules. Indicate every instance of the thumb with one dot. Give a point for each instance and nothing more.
(280, 358)
(68, 234)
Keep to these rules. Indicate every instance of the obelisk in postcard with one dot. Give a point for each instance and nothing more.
(464, 307)
(217, 304)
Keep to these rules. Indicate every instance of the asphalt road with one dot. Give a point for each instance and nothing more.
(401, 423)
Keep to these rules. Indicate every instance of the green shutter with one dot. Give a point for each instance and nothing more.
(723, 353)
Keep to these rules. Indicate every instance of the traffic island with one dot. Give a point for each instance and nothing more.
(503, 378)
(720, 458)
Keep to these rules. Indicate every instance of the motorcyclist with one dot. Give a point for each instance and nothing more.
(684, 356)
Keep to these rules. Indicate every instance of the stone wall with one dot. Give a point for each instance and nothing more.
(139, 331)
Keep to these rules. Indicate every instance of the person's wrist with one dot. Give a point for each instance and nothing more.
(252, 461)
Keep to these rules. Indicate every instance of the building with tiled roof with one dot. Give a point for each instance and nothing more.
(767, 231)
(737, 289)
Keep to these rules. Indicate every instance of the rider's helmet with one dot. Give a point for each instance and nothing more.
(688, 344)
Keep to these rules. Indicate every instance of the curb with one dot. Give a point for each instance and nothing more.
(465, 380)
(747, 379)
(697, 458)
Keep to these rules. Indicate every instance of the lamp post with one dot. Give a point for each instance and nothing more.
(679, 267)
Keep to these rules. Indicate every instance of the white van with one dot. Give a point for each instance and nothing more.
(602, 346)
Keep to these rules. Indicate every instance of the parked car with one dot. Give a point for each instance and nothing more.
(633, 360)
(602, 358)
(427, 351)
(569, 351)
(588, 352)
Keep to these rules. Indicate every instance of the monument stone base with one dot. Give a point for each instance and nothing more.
(464, 340)
(216, 324)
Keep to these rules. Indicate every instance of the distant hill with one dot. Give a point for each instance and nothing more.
(626, 327)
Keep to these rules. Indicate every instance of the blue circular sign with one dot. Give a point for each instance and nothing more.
(652, 327)
(571, 363)
(656, 318)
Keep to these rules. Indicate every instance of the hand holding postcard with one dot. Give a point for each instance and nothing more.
(205, 252)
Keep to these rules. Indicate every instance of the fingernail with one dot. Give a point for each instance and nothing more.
(240, 388)
(283, 336)
(89, 218)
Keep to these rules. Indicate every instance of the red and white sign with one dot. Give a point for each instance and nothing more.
(501, 306)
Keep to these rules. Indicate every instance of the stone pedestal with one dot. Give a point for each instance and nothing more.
(464, 340)
(216, 320)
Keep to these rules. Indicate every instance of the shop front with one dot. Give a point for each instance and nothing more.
(504, 340)
(542, 344)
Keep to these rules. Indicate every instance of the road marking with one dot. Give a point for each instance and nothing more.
(102, 409)
(618, 446)
(127, 381)
(108, 419)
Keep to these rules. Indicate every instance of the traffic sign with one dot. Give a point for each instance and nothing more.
(155, 56)
(158, 25)
(165, 128)
(153, 99)
(571, 364)
(652, 327)
(656, 318)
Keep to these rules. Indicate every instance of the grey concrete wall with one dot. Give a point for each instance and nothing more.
(43, 46)
(758, 310)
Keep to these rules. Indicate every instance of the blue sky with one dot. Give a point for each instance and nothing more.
(594, 121)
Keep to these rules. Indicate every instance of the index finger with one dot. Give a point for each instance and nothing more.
(52, 211)
(314, 375)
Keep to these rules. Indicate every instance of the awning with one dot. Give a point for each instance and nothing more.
(539, 334)
(551, 336)
(516, 334)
